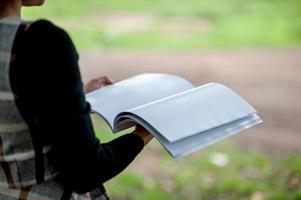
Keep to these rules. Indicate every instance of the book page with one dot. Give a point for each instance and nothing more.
(201, 140)
(194, 111)
(194, 143)
(135, 91)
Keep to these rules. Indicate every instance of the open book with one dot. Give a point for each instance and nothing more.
(183, 118)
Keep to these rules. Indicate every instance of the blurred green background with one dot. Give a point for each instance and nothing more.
(227, 170)
(176, 24)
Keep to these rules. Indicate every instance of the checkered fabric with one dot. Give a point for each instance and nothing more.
(20, 170)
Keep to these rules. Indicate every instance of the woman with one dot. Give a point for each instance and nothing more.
(48, 149)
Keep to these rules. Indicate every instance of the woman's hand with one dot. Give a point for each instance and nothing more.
(97, 83)
(143, 133)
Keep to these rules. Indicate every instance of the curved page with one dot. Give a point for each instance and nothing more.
(135, 91)
(199, 141)
(194, 143)
(194, 111)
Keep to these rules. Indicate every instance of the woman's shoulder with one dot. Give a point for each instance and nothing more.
(44, 24)
(45, 29)
(46, 35)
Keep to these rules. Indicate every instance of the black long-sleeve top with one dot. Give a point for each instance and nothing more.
(46, 79)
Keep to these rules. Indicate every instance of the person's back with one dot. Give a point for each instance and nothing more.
(17, 151)
(48, 149)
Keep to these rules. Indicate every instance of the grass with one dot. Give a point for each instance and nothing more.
(232, 23)
(249, 174)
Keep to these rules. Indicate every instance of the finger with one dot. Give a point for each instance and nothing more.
(109, 80)
(139, 127)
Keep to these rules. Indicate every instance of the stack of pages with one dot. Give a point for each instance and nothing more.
(183, 118)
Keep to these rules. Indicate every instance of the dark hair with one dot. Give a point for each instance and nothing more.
(3, 3)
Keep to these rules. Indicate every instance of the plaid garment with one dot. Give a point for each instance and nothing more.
(26, 170)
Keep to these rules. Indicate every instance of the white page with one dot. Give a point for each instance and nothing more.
(201, 140)
(196, 142)
(135, 91)
(194, 111)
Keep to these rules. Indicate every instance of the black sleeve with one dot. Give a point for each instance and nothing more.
(47, 80)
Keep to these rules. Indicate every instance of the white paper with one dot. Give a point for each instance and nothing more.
(182, 118)
(201, 140)
(194, 111)
(135, 91)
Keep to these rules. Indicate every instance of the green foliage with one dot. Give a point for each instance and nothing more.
(127, 184)
(249, 174)
(294, 164)
(231, 23)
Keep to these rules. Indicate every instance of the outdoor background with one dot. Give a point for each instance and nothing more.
(252, 46)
